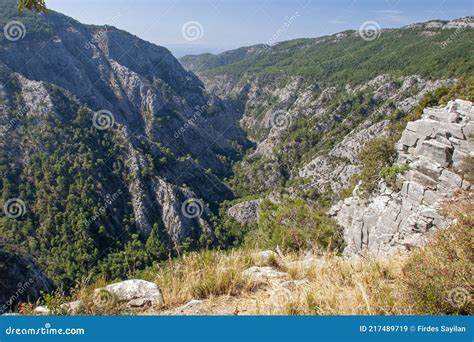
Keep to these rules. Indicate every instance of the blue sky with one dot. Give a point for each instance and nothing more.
(226, 24)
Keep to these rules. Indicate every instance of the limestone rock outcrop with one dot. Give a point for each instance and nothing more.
(136, 293)
(245, 212)
(392, 221)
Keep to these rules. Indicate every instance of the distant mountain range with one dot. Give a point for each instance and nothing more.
(115, 155)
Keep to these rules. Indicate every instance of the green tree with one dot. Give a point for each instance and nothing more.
(37, 5)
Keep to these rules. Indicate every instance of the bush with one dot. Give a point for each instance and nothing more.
(294, 225)
(376, 155)
(467, 168)
(389, 174)
(438, 278)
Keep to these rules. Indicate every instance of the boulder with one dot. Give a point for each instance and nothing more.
(245, 212)
(262, 273)
(135, 293)
(41, 310)
(435, 151)
(72, 307)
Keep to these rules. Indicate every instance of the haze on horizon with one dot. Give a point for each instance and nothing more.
(219, 25)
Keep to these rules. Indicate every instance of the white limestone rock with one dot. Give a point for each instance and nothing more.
(394, 222)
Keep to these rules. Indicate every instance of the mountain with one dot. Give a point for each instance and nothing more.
(198, 63)
(310, 104)
(114, 157)
(108, 146)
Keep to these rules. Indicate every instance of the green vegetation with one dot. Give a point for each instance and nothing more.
(375, 157)
(438, 278)
(37, 5)
(294, 225)
(397, 52)
(389, 174)
(78, 220)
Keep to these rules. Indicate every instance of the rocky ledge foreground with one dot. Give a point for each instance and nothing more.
(391, 221)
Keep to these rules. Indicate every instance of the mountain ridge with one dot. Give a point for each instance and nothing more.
(114, 157)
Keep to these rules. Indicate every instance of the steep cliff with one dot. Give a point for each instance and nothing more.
(21, 280)
(107, 142)
(392, 221)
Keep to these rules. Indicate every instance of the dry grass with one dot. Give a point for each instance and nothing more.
(441, 275)
(204, 274)
(419, 283)
(340, 287)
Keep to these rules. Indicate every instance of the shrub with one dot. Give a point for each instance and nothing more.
(376, 154)
(467, 168)
(438, 278)
(294, 225)
(389, 174)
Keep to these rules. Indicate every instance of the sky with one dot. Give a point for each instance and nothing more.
(198, 26)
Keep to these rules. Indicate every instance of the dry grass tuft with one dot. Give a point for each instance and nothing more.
(439, 279)
(204, 274)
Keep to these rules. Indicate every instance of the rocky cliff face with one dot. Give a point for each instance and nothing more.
(105, 137)
(336, 168)
(150, 99)
(393, 221)
(21, 280)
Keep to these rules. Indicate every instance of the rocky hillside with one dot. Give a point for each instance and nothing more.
(115, 157)
(432, 149)
(108, 145)
(309, 110)
(22, 280)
